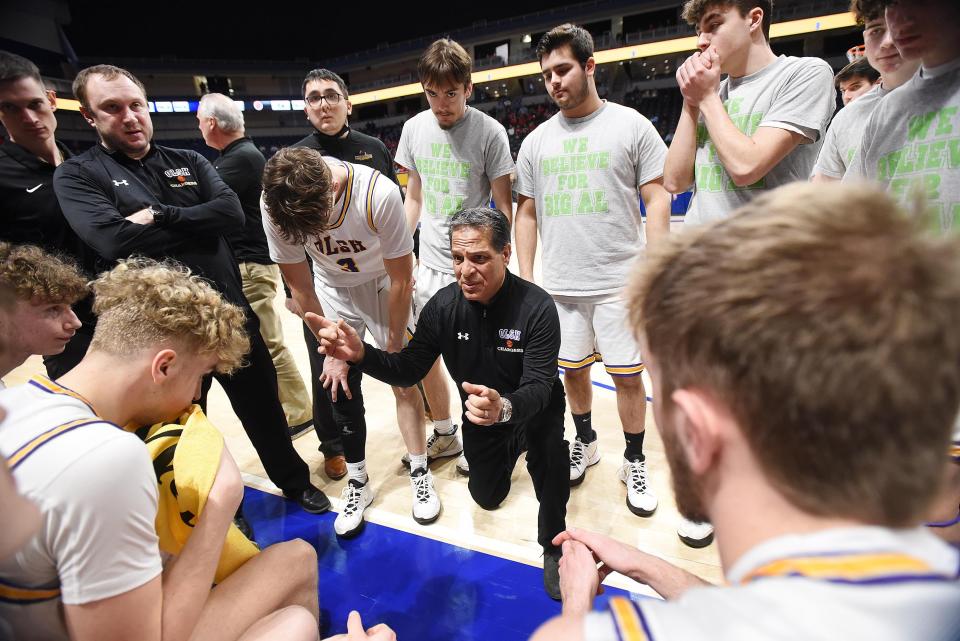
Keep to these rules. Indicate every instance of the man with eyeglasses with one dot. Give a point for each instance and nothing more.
(327, 105)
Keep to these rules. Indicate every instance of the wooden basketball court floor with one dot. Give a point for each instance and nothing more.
(507, 534)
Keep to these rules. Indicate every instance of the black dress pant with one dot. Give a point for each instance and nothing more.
(492, 452)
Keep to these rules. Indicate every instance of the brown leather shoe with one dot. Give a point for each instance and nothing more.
(335, 467)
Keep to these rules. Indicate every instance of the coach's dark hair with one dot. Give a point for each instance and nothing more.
(324, 74)
(579, 39)
(14, 67)
(859, 68)
(483, 218)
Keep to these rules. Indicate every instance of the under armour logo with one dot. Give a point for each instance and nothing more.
(117, 183)
(463, 337)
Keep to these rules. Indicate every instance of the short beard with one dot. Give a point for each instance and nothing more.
(576, 99)
(686, 490)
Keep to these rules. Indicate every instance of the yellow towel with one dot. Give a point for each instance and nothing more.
(186, 457)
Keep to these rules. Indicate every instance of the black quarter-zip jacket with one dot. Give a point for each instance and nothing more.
(510, 345)
(98, 189)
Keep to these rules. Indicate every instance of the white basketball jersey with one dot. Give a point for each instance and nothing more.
(367, 226)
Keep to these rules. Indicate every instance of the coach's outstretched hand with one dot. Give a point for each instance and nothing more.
(337, 339)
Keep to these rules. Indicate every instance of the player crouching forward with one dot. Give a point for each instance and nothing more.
(350, 220)
(94, 570)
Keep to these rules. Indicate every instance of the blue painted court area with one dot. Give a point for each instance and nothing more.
(422, 588)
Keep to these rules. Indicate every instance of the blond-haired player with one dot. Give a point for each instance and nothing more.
(94, 570)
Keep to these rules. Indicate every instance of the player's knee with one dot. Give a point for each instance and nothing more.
(628, 383)
(406, 394)
(577, 375)
(297, 559)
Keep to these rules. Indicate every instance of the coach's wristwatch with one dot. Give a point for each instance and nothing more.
(159, 216)
(506, 410)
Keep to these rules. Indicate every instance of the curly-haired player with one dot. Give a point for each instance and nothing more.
(41, 320)
(95, 567)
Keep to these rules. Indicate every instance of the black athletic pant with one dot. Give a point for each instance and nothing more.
(492, 452)
(323, 422)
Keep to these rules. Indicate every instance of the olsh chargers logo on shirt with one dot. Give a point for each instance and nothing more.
(510, 337)
(182, 176)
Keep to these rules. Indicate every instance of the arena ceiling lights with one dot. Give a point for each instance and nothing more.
(632, 52)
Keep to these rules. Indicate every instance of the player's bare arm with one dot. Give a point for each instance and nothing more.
(502, 198)
(414, 199)
(299, 279)
(746, 159)
(526, 235)
(678, 170)
(656, 201)
(400, 271)
(168, 608)
(666, 579)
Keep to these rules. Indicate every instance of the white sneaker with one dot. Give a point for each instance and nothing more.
(582, 456)
(355, 499)
(426, 503)
(640, 499)
(696, 535)
(463, 468)
(440, 446)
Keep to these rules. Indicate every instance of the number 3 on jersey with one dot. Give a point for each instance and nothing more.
(348, 265)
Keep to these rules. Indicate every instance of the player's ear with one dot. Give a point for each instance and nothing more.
(507, 252)
(698, 427)
(162, 364)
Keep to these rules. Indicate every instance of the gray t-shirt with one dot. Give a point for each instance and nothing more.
(456, 166)
(913, 138)
(790, 93)
(584, 174)
(843, 137)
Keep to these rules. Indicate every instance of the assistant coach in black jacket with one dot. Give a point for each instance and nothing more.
(126, 196)
(499, 336)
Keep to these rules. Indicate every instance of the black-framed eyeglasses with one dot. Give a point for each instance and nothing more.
(331, 97)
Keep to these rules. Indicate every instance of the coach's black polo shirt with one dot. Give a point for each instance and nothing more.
(98, 189)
